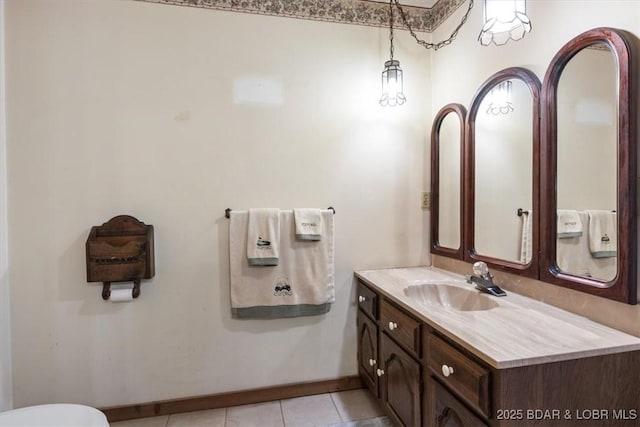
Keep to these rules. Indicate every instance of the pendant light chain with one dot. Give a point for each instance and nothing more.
(391, 29)
(427, 45)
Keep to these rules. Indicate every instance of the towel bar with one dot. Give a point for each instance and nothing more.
(521, 212)
(227, 212)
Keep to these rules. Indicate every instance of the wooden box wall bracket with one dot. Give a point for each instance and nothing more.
(120, 250)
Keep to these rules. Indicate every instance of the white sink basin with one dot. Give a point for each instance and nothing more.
(444, 295)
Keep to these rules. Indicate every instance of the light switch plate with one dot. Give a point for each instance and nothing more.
(426, 200)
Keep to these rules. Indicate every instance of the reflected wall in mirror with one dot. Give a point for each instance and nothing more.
(503, 172)
(589, 167)
(502, 162)
(447, 141)
(586, 169)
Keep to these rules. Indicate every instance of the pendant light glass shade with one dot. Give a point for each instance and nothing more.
(504, 20)
(392, 85)
(500, 99)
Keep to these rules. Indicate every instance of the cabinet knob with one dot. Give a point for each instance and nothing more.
(379, 372)
(393, 325)
(361, 298)
(372, 362)
(447, 370)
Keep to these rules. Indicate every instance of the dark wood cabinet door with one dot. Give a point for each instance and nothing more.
(368, 352)
(400, 384)
(444, 410)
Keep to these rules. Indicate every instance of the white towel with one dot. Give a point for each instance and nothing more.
(301, 285)
(603, 233)
(526, 248)
(569, 224)
(308, 224)
(573, 257)
(263, 237)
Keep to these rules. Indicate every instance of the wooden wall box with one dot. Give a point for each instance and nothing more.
(120, 250)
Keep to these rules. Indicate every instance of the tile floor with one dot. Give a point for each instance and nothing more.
(309, 411)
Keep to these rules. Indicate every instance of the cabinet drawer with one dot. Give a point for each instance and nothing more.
(367, 300)
(401, 326)
(468, 379)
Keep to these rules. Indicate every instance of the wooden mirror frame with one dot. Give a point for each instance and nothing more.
(461, 113)
(533, 83)
(623, 286)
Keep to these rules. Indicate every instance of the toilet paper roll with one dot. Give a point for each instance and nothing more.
(121, 295)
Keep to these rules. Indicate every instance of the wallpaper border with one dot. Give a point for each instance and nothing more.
(357, 12)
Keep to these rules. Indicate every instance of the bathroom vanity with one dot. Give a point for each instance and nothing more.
(436, 352)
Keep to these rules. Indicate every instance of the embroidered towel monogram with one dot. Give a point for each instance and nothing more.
(263, 236)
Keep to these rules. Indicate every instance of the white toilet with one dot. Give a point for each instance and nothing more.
(59, 415)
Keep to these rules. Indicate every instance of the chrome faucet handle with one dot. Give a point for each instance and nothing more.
(480, 268)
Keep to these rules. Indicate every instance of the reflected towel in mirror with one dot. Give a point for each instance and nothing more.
(602, 233)
(569, 223)
(526, 247)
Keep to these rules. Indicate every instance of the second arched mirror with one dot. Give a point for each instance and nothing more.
(502, 164)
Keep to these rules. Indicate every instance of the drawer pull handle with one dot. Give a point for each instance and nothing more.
(361, 298)
(380, 372)
(393, 325)
(372, 362)
(447, 370)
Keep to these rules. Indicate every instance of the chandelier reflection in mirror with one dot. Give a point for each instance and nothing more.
(504, 20)
(500, 99)
(392, 76)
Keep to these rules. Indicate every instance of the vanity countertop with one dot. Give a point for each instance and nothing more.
(519, 331)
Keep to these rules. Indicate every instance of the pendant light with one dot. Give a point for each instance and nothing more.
(500, 99)
(392, 76)
(504, 20)
(392, 84)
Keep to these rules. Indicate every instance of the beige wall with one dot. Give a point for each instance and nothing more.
(6, 392)
(128, 107)
(461, 68)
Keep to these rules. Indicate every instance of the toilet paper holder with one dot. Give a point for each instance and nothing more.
(120, 250)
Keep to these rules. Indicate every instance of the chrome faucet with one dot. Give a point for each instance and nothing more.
(484, 280)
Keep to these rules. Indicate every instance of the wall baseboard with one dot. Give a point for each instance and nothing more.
(223, 400)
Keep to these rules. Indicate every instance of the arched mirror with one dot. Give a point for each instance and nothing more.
(502, 162)
(589, 167)
(447, 141)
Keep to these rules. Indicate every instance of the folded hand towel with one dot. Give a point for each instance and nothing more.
(262, 237)
(308, 224)
(569, 224)
(603, 233)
